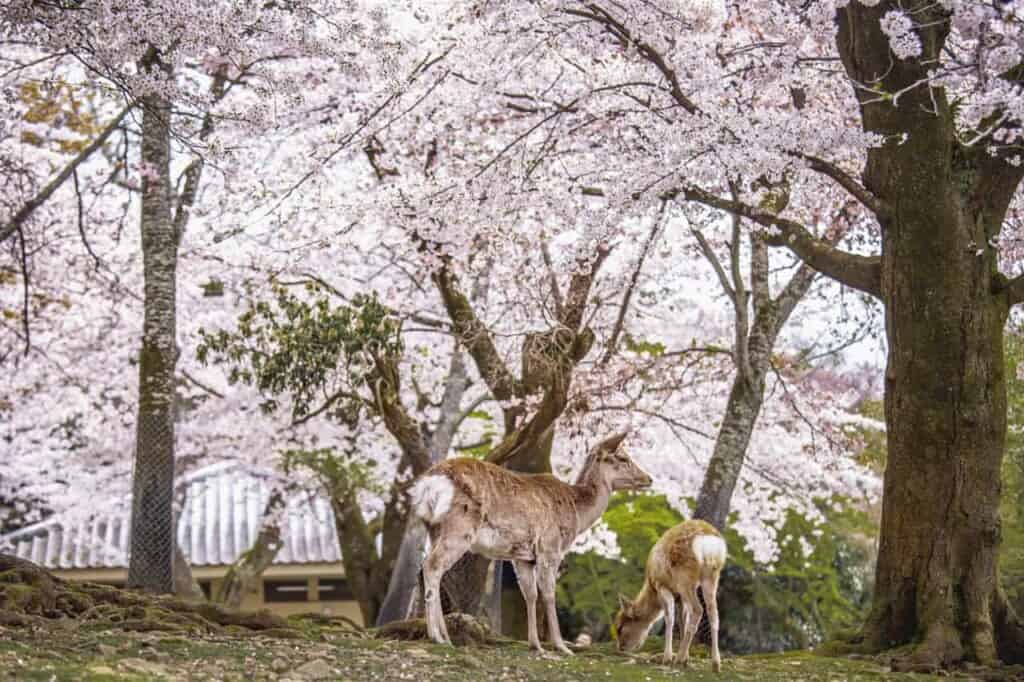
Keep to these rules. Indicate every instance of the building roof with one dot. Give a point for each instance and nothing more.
(220, 519)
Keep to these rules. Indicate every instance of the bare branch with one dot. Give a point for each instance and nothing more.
(198, 384)
(620, 320)
(709, 255)
(556, 293)
(863, 273)
(26, 211)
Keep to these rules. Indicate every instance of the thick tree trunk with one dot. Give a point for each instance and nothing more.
(945, 413)
(152, 541)
(741, 413)
(945, 392)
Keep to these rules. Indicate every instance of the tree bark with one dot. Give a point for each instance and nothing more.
(248, 568)
(726, 463)
(185, 585)
(152, 539)
(936, 580)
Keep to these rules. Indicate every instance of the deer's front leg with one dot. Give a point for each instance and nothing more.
(548, 576)
(526, 574)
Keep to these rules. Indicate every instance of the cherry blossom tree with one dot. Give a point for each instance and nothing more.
(503, 224)
(640, 102)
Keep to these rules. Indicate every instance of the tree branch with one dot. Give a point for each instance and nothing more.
(476, 337)
(863, 273)
(844, 180)
(620, 320)
(709, 255)
(618, 29)
(30, 206)
(579, 291)
(552, 279)
(1014, 289)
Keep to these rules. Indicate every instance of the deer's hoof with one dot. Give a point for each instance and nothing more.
(716, 666)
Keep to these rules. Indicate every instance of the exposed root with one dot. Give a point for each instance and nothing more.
(31, 595)
(463, 629)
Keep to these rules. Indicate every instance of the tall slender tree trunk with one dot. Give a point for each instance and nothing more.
(152, 539)
(723, 472)
(752, 351)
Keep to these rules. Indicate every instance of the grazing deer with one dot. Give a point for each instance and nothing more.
(687, 555)
(529, 519)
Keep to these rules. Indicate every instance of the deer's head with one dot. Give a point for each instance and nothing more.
(631, 626)
(616, 467)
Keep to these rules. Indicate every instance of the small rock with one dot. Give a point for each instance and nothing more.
(419, 653)
(106, 650)
(316, 669)
(101, 670)
(279, 665)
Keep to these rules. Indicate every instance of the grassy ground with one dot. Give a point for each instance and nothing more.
(66, 651)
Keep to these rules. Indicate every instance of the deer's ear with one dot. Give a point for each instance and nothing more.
(625, 604)
(612, 443)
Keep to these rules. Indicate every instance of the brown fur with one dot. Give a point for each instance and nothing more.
(530, 519)
(673, 571)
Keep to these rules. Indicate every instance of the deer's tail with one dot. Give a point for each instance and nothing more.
(432, 498)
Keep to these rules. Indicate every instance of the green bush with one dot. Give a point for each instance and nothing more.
(794, 603)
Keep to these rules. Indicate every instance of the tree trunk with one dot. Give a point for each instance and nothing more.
(248, 568)
(250, 565)
(946, 305)
(945, 409)
(152, 534)
(399, 602)
(359, 556)
(741, 413)
(185, 585)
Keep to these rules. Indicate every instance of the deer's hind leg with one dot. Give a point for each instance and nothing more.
(691, 619)
(709, 586)
(449, 540)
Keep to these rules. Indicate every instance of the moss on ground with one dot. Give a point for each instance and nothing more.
(329, 650)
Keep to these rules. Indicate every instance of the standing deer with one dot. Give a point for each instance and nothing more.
(529, 519)
(687, 555)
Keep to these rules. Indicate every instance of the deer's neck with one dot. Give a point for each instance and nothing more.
(592, 495)
(647, 605)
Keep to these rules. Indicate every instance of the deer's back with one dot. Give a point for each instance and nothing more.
(673, 559)
(530, 507)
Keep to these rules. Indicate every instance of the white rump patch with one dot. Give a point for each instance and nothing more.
(432, 497)
(709, 550)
